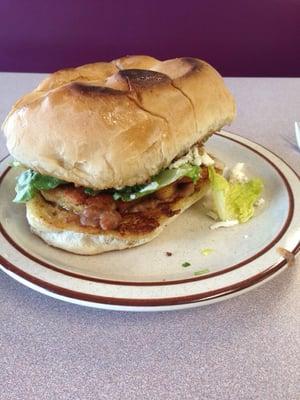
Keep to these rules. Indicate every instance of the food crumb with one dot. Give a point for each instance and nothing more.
(207, 251)
(260, 202)
(169, 254)
(237, 174)
(201, 272)
(224, 224)
(185, 264)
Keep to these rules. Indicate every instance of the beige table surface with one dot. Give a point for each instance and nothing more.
(244, 348)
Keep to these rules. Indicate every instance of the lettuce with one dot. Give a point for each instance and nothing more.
(234, 201)
(164, 178)
(30, 182)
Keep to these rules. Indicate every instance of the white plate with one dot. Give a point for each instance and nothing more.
(145, 278)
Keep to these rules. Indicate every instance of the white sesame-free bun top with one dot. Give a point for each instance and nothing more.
(114, 124)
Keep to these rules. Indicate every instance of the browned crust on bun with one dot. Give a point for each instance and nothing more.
(115, 124)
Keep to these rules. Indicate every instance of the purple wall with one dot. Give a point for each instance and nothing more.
(239, 37)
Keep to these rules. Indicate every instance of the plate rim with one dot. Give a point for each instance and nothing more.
(179, 300)
(145, 303)
(259, 253)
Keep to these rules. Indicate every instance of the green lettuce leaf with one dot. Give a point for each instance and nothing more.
(91, 192)
(234, 200)
(30, 182)
(164, 178)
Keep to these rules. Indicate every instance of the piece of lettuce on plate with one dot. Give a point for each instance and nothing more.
(234, 201)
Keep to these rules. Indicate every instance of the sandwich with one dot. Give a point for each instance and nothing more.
(113, 152)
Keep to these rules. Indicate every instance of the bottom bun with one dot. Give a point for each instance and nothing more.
(45, 221)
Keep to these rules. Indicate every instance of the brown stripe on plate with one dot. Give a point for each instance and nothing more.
(222, 292)
(186, 280)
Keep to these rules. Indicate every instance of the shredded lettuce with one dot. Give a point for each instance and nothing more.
(234, 201)
(91, 192)
(30, 182)
(164, 178)
(201, 271)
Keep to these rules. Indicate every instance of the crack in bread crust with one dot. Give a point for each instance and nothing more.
(126, 133)
(191, 103)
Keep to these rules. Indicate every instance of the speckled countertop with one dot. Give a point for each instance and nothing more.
(246, 348)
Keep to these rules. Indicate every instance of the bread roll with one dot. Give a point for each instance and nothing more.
(51, 225)
(109, 125)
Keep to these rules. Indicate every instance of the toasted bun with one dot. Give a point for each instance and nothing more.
(81, 239)
(107, 125)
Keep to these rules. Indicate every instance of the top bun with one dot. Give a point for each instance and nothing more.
(108, 125)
